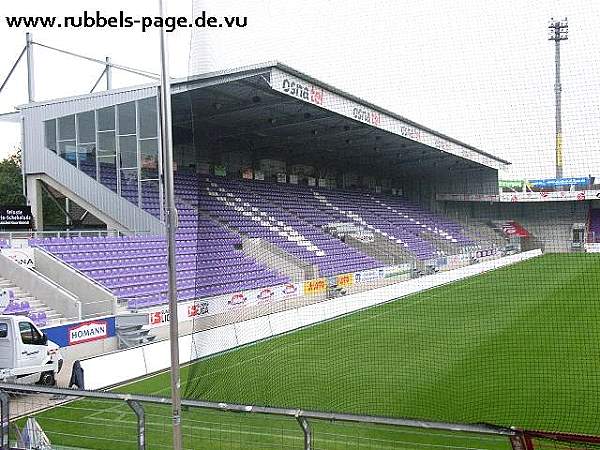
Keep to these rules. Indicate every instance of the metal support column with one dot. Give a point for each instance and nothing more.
(4, 421)
(30, 77)
(307, 431)
(171, 221)
(108, 73)
(138, 409)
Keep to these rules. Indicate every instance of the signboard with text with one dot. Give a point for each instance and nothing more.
(16, 218)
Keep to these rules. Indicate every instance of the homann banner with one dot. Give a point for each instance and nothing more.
(82, 332)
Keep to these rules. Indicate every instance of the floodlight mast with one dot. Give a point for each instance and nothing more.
(171, 228)
(559, 30)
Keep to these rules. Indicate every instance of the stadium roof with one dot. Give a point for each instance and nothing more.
(269, 107)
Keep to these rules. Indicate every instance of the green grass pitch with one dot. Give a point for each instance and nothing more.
(517, 346)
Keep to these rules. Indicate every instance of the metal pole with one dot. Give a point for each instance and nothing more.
(171, 227)
(108, 72)
(138, 409)
(307, 431)
(30, 77)
(557, 91)
(4, 421)
(12, 69)
(558, 32)
(143, 73)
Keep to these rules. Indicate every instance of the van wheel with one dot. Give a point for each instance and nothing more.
(47, 379)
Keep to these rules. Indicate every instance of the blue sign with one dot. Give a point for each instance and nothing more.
(555, 182)
(81, 332)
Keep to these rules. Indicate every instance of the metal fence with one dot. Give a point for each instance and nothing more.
(91, 419)
(9, 236)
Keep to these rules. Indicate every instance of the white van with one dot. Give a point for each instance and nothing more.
(26, 354)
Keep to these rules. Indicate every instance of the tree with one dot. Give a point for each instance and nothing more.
(11, 190)
(11, 181)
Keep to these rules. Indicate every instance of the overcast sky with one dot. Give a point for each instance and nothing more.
(482, 72)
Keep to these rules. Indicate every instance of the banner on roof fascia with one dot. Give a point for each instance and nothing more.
(557, 182)
(311, 93)
(511, 184)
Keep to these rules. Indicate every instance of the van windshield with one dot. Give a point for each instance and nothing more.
(29, 334)
(3, 330)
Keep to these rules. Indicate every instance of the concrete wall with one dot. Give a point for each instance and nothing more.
(275, 258)
(60, 300)
(95, 300)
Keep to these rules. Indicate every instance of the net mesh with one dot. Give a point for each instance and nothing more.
(335, 255)
(362, 263)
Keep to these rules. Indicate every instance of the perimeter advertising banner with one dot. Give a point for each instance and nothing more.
(345, 280)
(316, 286)
(81, 332)
(223, 303)
(550, 196)
(24, 257)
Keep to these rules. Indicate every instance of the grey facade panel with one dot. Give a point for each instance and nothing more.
(39, 160)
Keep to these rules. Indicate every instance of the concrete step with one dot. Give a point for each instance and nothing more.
(52, 316)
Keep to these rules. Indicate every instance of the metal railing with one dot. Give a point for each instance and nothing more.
(141, 404)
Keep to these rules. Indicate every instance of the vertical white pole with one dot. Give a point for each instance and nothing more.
(30, 77)
(171, 228)
(108, 74)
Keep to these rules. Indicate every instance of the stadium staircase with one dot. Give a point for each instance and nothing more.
(23, 303)
(97, 198)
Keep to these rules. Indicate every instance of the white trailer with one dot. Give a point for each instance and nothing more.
(26, 354)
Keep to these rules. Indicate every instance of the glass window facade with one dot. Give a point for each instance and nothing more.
(117, 145)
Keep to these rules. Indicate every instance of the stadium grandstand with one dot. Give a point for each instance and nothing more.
(338, 267)
(354, 191)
